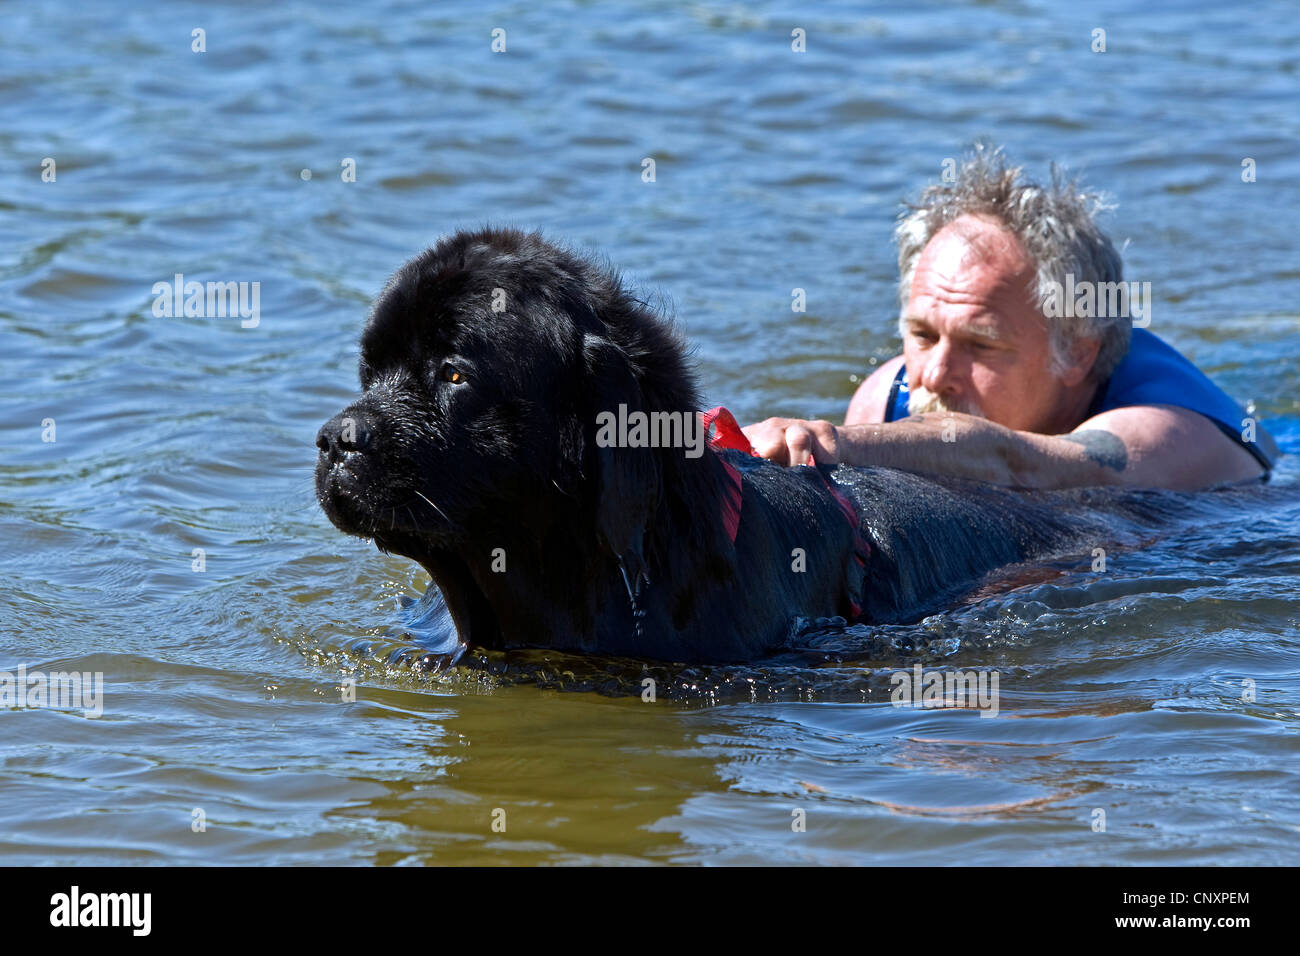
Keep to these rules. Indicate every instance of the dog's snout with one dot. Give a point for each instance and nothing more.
(345, 432)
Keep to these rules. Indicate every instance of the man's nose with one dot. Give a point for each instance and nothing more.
(937, 375)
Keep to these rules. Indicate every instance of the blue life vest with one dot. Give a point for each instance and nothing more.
(1152, 373)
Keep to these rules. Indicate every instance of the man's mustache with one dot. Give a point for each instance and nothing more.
(921, 400)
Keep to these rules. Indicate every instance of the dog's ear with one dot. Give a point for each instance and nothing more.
(627, 479)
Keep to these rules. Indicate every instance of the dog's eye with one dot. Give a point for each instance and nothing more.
(449, 373)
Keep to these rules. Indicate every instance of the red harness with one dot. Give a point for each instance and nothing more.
(723, 431)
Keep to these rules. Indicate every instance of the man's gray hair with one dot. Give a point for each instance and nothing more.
(1057, 229)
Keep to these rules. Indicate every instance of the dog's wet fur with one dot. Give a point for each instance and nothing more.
(473, 451)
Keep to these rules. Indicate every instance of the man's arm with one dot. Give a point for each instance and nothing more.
(1165, 446)
(1151, 446)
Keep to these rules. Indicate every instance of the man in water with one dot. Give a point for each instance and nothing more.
(1021, 364)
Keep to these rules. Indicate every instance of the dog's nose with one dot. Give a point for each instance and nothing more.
(345, 432)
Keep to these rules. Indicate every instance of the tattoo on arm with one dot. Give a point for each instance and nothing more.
(1102, 447)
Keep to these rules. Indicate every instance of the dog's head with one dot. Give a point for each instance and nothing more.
(484, 365)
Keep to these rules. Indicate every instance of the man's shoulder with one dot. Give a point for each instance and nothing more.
(868, 403)
(1155, 375)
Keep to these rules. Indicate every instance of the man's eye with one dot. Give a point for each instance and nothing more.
(450, 373)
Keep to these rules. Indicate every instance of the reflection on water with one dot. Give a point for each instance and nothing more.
(255, 668)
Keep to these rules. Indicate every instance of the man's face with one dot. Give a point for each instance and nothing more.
(973, 338)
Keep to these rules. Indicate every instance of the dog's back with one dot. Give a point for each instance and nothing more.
(930, 540)
(935, 538)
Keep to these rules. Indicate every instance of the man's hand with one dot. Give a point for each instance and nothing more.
(792, 441)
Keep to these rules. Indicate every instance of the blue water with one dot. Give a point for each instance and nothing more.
(225, 689)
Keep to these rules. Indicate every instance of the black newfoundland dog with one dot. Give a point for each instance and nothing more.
(490, 365)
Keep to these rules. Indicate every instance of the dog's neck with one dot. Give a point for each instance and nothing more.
(553, 582)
